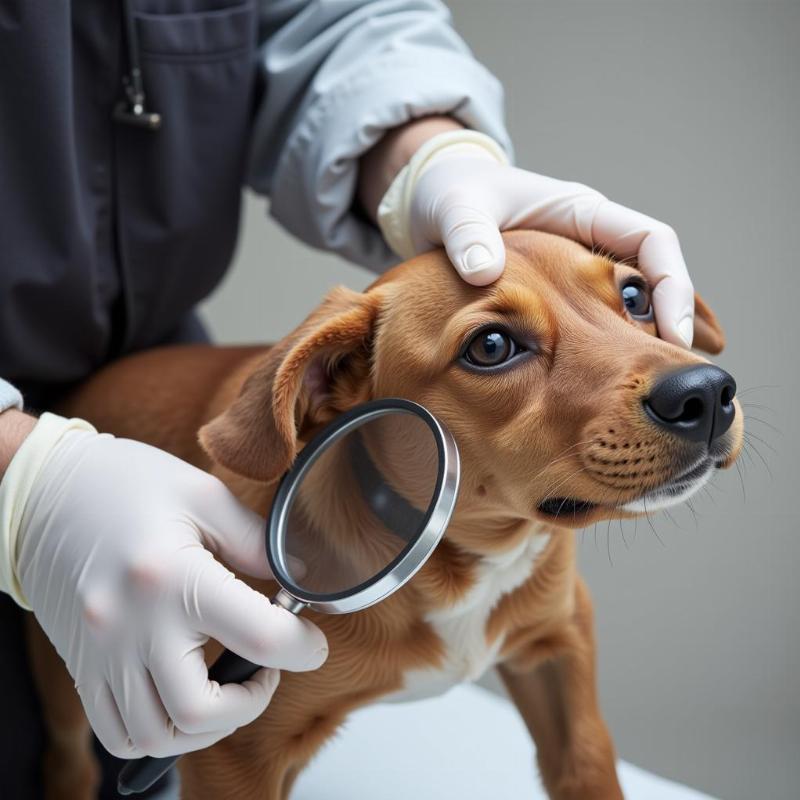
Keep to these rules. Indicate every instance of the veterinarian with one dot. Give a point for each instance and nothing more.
(127, 130)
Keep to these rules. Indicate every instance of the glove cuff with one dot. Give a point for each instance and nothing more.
(394, 211)
(16, 486)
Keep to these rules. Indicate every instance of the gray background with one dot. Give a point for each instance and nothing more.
(687, 111)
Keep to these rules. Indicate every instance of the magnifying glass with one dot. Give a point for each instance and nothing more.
(360, 511)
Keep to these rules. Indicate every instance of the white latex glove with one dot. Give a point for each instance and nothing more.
(459, 190)
(115, 555)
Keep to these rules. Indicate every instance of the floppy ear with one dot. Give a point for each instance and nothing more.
(315, 373)
(708, 333)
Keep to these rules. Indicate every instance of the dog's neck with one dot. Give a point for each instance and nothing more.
(475, 542)
(349, 536)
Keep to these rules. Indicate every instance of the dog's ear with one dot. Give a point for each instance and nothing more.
(315, 373)
(708, 333)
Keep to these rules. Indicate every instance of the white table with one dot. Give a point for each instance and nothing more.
(468, 744)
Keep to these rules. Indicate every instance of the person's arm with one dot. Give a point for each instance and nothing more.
(14, 428)
(14, 425)
(337, 76)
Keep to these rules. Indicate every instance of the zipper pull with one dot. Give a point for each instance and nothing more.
(131, 110)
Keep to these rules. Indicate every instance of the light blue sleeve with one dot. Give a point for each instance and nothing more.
(9, 396)
(336, 75)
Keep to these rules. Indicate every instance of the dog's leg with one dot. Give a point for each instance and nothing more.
(70, 769)
(552, 683)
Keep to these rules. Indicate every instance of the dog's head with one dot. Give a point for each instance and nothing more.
(565, 404)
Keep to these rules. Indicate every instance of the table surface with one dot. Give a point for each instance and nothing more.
(468, 744)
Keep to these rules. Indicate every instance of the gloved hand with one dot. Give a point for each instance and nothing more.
(459, 190)
(115, 555)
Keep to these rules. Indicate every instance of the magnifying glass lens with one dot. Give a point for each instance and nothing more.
(360, 505)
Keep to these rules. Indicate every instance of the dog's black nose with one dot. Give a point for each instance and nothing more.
(695, 403)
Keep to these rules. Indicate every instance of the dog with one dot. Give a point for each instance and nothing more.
(567, 409)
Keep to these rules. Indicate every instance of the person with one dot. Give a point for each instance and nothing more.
(128, 130)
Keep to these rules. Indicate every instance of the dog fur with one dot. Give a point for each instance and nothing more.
(501, 590)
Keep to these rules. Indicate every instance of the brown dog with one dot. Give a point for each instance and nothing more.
(566, 408)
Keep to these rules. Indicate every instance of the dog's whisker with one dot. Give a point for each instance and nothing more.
(747, 459)
(750, 389)
(564, 454)
(608, 542)
(571, 447)
(760, 439)
(608, 530)
(562, 506)
(748, 446)
(751, 418)
(693, 513)
(711, 497)
(650, 522)
(672, 519)
(741, 480)
(551, 492)
(760, 406)
(619, 520)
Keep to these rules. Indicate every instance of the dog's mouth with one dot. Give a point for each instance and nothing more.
(566, 507)
(688, 478)
(675, 490)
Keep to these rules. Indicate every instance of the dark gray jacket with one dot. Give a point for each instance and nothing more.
(110, 233)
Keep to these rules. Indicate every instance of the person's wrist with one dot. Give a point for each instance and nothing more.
(380, 165)
(30, 443)
(15, 426)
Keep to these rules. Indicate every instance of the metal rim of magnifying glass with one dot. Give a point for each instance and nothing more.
(403, 567)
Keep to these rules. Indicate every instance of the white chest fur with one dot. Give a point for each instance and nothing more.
(462, 626)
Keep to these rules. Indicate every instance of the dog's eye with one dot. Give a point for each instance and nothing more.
(491, 347)
(636, 297)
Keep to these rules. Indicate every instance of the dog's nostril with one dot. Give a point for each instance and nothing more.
(728, 393)
(695, 403)
(693, 409)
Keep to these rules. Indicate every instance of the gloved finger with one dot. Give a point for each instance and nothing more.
(627, 233)
(473, 242)
(104, 717)
(244, 620)
(140, 707)
(230, 529)
(197, 705)
(661, 262)
(149, 727)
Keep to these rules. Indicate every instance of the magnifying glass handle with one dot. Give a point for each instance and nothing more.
(140, 774)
